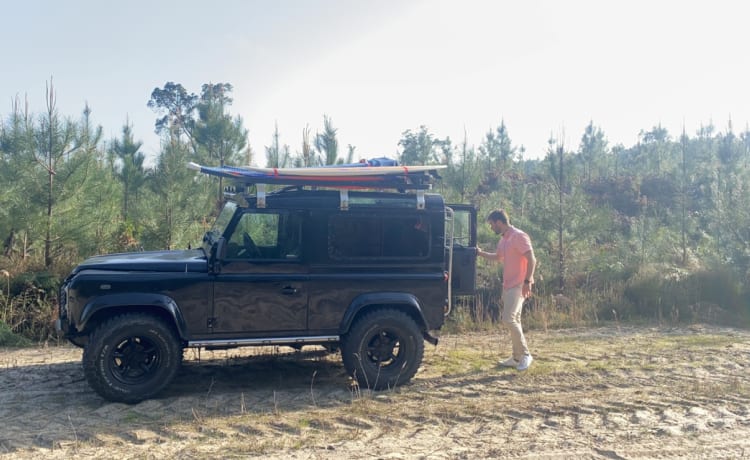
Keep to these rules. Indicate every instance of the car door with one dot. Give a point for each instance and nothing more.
(262, 284)
(463, 278)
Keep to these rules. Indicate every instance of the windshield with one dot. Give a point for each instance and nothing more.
(220, 225)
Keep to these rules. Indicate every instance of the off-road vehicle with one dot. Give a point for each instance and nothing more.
(369, 273)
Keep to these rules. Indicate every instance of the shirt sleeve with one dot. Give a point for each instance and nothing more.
(522, 243)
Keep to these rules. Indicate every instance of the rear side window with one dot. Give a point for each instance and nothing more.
(360, 236)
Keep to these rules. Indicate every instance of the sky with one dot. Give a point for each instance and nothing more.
(545, 68)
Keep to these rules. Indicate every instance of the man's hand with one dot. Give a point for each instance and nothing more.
(526, 290)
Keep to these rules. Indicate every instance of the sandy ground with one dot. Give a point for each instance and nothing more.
(614, 392)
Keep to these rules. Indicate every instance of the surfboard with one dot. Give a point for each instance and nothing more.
(398, 177)
(346, 171)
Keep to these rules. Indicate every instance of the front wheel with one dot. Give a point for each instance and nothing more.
(131, 357)
(383, 349)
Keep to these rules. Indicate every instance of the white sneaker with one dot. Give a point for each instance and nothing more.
(510, 362)
(525, 363)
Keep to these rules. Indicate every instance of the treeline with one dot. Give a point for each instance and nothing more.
(660, 228)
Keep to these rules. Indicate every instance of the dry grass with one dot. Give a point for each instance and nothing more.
(641, 392)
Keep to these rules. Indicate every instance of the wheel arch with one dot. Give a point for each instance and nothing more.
(104, 307)
(365, 303)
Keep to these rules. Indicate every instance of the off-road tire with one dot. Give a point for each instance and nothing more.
(383, 349)
(131, 357)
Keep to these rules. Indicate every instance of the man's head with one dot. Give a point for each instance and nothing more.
(499, 221)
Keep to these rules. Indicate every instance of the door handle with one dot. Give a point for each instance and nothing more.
(288, 290)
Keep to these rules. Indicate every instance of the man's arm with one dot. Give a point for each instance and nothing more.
(529, 279)
(487, 255)
(530, 265)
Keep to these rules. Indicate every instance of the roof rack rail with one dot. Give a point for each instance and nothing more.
(400, 178)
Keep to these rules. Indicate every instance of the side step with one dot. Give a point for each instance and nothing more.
(264, 341)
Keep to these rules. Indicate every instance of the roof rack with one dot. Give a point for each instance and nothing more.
(400, 178)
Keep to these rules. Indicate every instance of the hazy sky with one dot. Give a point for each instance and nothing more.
(378, 68)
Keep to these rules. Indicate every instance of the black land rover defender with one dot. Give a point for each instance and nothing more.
(370, 273)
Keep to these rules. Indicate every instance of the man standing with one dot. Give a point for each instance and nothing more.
(514, 251)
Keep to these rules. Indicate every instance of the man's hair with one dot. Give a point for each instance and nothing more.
(499, 214)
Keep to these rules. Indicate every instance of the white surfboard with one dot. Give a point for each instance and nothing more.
(333, 171)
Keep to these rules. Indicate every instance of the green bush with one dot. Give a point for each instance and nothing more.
(30, 309)
(36, 280)
(708, 295)
(9, 339)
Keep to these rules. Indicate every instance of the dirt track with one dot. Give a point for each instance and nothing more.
(595, 393)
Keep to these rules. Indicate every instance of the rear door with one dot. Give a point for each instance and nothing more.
(464, 249)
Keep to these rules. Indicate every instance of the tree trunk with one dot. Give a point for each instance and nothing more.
(561, 261)
(50, 178)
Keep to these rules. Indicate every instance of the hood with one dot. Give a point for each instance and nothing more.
(191, 260)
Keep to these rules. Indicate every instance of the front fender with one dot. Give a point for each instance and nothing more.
(118, 301)
(407, 302)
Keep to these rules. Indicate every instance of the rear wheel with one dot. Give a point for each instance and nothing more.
(131, 357)
(383, 349)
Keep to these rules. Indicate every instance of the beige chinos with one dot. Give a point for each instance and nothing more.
(511, 318)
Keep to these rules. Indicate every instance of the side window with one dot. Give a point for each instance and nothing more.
(266, 236)
(462, 229)
(464, 226)
(356, 237)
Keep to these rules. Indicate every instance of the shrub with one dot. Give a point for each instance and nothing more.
(709, 295)
(9, 339)
(28, 306)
